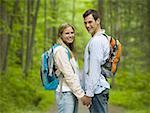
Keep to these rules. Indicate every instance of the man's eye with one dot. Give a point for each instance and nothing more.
(90, 22)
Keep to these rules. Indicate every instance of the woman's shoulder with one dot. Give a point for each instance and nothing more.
(60, 49)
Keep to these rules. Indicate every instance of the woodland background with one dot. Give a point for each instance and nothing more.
(29, 27)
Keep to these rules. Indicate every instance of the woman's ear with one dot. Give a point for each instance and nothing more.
(60, 36)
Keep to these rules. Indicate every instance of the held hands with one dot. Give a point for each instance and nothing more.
(86, 101)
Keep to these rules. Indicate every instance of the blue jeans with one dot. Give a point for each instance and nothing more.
(67, 102)
(100, 102)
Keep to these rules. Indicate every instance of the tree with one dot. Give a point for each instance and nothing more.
(30, 32)
(101, 11)
(73, 11)
(54, 18)
(7, 37)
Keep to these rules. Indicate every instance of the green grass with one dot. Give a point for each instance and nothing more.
(128, 98)
(131, 91)
(139, 111)
(23, 94)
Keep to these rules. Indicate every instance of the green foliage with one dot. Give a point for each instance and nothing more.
(139, 111)
(128, 99)
(21, 93)
(132, 90)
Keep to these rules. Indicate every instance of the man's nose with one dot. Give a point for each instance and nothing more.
(87, 25)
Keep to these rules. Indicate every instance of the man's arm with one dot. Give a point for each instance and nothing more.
(96, 57)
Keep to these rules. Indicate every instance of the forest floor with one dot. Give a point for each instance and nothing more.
(83, 109)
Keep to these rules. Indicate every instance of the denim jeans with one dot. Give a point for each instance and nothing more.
(67, 102)
(100, 102)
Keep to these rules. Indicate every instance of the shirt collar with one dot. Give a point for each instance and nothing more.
(102, 31)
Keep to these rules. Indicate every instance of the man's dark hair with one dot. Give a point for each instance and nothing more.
(94, 13)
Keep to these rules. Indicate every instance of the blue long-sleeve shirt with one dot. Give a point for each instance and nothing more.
(96, 53)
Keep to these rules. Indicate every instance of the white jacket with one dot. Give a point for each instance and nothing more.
(70, 71)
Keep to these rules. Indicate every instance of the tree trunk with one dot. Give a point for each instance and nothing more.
(33, 30)
(28, 38)
(22, 33)
(101, 12)
(146, 22)
(110, 19)
(54, 16)
(30, 34)
(73, 12)
(45, 17)
(3, 36)
(8, 37)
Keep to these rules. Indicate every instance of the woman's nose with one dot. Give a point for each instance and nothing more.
(71, 34)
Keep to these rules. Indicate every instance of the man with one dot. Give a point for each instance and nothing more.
(96, 53)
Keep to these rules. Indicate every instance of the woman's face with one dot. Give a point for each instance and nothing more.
(68, 35)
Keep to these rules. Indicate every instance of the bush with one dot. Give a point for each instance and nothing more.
(20, 92)
(131, 90)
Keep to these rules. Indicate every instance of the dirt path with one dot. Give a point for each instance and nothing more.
(83, 109)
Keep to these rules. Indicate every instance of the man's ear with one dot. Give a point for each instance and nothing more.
(98, 21)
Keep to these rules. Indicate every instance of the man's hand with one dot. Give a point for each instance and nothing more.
(86, 101)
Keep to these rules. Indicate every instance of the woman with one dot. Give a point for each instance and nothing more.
(69, 89)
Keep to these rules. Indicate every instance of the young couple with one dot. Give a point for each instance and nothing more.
(96, 88)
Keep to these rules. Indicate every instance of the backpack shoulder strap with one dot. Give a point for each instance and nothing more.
(69, 54)
(58, 46)
(55, 48)
(108, 37)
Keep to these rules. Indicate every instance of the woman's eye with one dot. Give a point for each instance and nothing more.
(69, 33)
(66, 33)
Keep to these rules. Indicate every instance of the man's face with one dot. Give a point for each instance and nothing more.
(91, 25)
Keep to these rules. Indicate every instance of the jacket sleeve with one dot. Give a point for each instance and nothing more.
(96, 57)
(65, 67)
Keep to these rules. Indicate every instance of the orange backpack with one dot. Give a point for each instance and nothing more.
(110, 67)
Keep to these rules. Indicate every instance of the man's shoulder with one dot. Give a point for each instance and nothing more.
(99, 38)
(99, 41)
